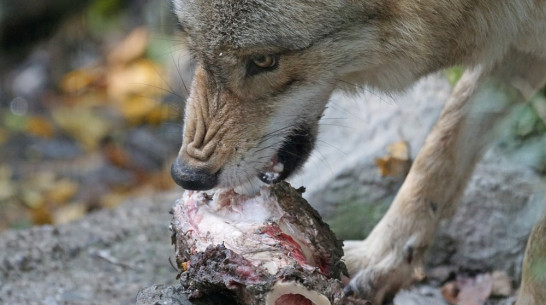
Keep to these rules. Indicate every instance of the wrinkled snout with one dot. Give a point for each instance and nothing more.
(192, 178)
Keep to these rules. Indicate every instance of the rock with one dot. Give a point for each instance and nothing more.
(106, 258)
(169, 295)
(424, 295)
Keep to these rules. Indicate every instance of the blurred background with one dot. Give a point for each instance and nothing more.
(89, 115)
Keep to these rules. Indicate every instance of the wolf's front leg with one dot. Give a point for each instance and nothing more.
(533, 277)
(384, 263)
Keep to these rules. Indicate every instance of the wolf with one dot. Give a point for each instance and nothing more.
(265, 69)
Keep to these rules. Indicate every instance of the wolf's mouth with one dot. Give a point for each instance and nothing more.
(294, 151)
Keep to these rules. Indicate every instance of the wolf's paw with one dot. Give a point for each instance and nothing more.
(377, 273)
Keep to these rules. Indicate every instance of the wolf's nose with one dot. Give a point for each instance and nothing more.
(192, 178)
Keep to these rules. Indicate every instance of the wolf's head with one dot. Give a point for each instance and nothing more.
(264, 72)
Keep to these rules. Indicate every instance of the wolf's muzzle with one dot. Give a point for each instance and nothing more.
(192, 178)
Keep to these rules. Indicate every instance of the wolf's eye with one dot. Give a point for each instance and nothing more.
(262, 63)
(265, 61)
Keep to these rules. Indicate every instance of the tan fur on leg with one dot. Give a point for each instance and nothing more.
(384, 262)
(533, 278)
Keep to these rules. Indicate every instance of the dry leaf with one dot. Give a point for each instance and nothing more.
(42, 181)
(41, 215)
(131, 48)
(117, 155)
(450, 292)
(136, 108)
(62, 191)
(32, 198)
(112, 200)
(41, 127)
(78, 80)
(502, 284)
(160, 114)
(82, 124)
(142, 78)
(397, 161)
(69, 213)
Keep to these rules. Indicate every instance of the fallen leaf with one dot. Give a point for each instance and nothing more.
(502, 284)
(117, 155)
(32, 199)
(160, 114)
(134, 109)
(68, 213)
(141, 78)
(77, 80)
(397, 161)
(83, 124)
(131, 48)
(40, 126)
(41, 181)
(450, 292)
(62, 191)
(41, 215)
(112, 200)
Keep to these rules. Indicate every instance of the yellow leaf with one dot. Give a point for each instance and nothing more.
(41, 127)
(135, 108)
(160, 114)
(62, 191)
(112, 200)
(32, 198)
(397, 161)
(87, 127)
(142, 77)
(69, 213)
(41, 215)
(42, 181)
(78, 80)
(131, 48)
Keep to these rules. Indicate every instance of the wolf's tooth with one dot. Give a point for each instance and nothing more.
(278, 168)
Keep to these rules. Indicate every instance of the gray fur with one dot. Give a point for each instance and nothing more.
(244, 24)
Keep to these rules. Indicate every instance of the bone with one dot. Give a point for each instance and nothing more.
(292, 293)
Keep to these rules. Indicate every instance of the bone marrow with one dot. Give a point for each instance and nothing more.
(272, 248)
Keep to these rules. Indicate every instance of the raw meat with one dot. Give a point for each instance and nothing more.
(271, 249)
